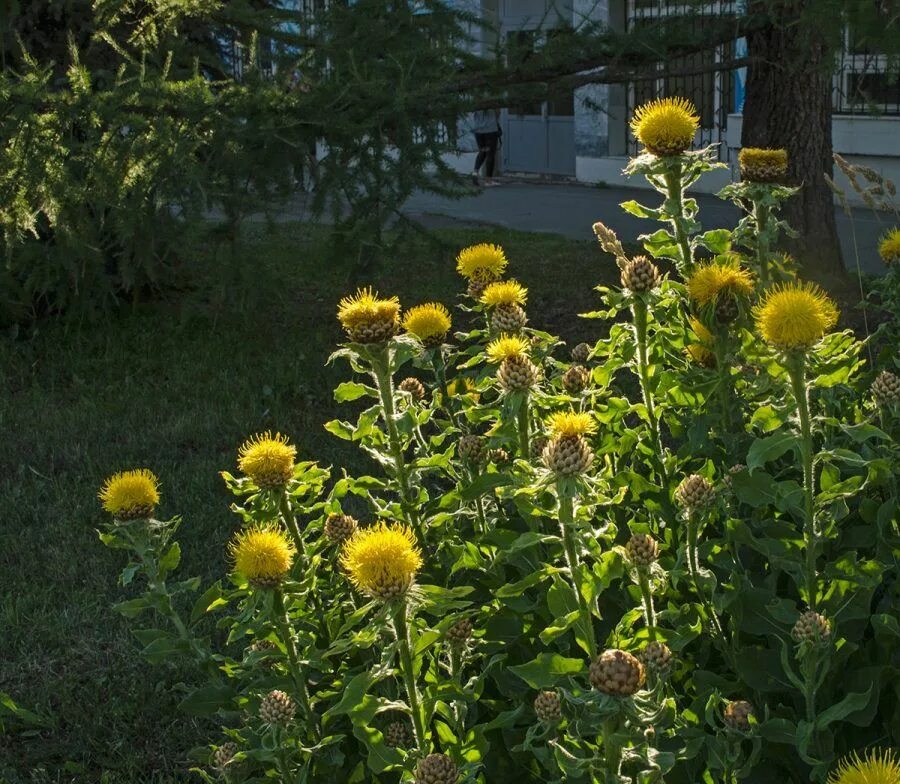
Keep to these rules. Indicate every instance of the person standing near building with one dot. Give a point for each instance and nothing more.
(486, 127)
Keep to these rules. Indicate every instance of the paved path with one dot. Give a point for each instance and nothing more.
(571, 210)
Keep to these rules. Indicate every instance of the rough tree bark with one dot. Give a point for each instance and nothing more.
(788, 105)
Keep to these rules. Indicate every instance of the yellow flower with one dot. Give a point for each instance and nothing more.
(889, 247)
(795, 315)
(462, 385)
(130, 495)
(507, 347)
(263, 555)
(878, 767)
(382, 561)
(430, 322)
(666, 126)
(368, 318)
(721, 276)
(571, 423)
(762, 165)
(701, 352)
(268, 460)
(483, 261)
(504, 292)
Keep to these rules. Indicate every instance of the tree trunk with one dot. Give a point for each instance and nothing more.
(788, 105)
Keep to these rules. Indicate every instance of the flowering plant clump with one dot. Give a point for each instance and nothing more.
(667, 555)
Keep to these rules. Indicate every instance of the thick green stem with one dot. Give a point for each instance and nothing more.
(440, 375)
(567, 529)
(761, 218)
(408, 674)
(290, 522)
(693, 564)
(720, 348)
(675, 194)
(381, 371)
(456, 675)
(524, 430)
(479, 506)
(612, 754)
(287, 638)
(796, 367)
(639, 313)
(647, 596)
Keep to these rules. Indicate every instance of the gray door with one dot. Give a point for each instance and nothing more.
(538, 136)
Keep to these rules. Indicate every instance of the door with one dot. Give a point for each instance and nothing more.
(538, 136)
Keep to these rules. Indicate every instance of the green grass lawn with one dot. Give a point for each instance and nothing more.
(176, 386)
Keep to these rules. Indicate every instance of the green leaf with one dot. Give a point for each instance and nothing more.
(133, 607)
(170, 559)
(207, 700)
(547, 669)
(850, 704)
(639, 210)
(210, 599)
(342, 430)
(765, 450)
(350, 390)
(483, 484)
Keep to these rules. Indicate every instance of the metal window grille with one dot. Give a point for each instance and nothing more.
(865, 82)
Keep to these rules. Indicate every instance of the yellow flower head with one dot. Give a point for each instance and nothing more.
(504, 292)
(878, 767)
(268, 460)
(130, 495)
(889, 247)
(507, 347)
(571, 423)
(701, 352)
(263, 555)
(382, 561)
(795, 316)
(724, 275)
(430, 322)
(461, 385)
(666, 126)
(368, 318)
(484, 261)
(762, 165)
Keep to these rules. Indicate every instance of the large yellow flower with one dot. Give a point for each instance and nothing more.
(795, 315)
(484, 261)
(878, 767)
(504, 292)
(571, 423)
(382, 561)
(263, 554)
(507, 347)
(723, 275)
(666, 126)
(368, 318)
(701, 352)
(130, 495)
(268, 460)
(430, 322)
(889, 247)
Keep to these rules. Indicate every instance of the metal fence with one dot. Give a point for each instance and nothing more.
(865, 82)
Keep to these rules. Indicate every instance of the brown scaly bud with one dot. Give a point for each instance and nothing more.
(726, 308)
(576, 379)
(339, 528)
(886, 388)
(264, 649)
(617, 673)
(657, 658)
(223, 755)
(568, 455)
(610, 242)
(460, 633)
(479, 282)
(509, 319)
(738, 714)
(640, 275)
(735, 469)
(762, 165)
(471, 448)
(436, 769)
(413, 387)
(498, 456)
(581, 353)
(547, 707)
(813, 628)
(277, 708)
(642, 550)
(538, 445)
(398, 735)
(517, 374)
(694, 492)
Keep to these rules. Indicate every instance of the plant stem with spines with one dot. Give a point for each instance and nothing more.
(284, 630)
(796, 367)
(675, 194)
(408, 673)
(290, 522)
(524, 429)
(639, 314)
(382, 372)
(692, 552)
(761, 218)
(720, 349)
(647, 596)
(567, 529)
